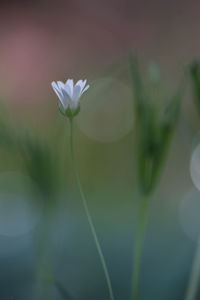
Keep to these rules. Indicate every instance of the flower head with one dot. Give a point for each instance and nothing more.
(69, 95)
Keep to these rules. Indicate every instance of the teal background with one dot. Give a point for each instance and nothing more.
(43, 41)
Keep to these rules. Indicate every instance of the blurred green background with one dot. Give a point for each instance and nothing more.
(43, 228)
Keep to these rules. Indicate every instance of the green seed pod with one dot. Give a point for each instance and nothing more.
(154, 130)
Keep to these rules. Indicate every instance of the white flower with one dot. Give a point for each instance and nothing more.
(69, 95)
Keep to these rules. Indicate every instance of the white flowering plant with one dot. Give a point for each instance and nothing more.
(69, 95)
(42, 162)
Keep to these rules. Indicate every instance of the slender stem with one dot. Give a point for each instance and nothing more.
(89, 218)
(138, 247)
(194, 279)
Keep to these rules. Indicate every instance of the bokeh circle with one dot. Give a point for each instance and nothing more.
(189, 213)
(195, 167)
(18, 214)
(106, 110)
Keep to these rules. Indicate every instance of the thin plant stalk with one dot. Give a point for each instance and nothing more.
(140, 234)
(88, 215)
(194, 279)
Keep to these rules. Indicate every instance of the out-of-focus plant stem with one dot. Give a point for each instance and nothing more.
(140, 234)
(44, 271)
(194, 279)
(88, 215)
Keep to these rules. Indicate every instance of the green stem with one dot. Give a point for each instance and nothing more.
(194, 279)
(138, 247)
(89, 218)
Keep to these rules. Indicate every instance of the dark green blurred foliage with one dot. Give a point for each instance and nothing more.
(154, 127)
(41, 164)
(7, 132)
(39, 159)
(195, 76)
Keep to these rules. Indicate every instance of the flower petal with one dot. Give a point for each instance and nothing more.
(85, 89)
(81, 83)
(69, 86)
(76, 92)
(66, 98)
(57, 90)
(68, 90)
(60, 84)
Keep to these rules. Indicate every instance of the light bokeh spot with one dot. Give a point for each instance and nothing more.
(106, 110)
(18, 215)
(195, 167)
(190, 214)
